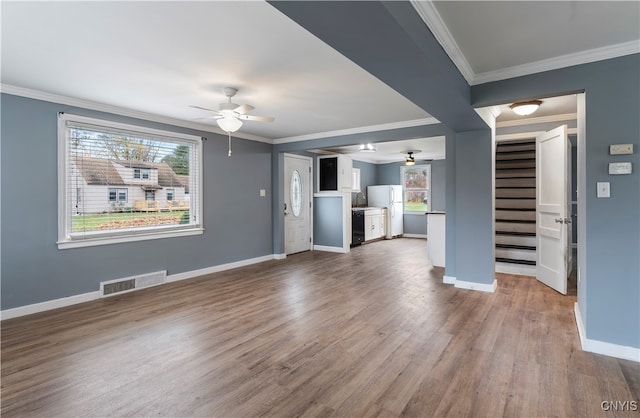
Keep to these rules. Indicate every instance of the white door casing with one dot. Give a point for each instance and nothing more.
(297, 206)
(552, 203)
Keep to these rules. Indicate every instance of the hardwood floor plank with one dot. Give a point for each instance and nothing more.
(371, 333)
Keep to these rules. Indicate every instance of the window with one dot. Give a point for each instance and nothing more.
(416, 187)
(117, 195)
(101, 198)
(141, 173)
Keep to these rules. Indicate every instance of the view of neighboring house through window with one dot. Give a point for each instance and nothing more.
(123, 183)
(416, 185)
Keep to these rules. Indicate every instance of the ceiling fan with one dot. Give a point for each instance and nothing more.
(229, 116)
(410, 159)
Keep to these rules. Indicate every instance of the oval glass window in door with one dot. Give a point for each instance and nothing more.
(296, 193)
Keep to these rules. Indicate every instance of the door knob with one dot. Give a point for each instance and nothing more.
(559, 220)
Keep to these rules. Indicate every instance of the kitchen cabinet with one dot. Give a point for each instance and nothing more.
(374, 224)
(335, 174)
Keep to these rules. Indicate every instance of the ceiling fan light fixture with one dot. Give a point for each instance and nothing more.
(229, 124)
(526, 108)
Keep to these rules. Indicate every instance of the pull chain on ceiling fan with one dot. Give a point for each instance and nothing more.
(229, 115)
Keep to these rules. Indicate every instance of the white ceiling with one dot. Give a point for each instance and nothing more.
(162, 57)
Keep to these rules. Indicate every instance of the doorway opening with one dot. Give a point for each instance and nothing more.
(515, 191)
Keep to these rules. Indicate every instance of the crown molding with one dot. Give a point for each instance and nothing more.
(429, 14)
(117, 110)
(360, 130)
(583, 57)
(541, 119)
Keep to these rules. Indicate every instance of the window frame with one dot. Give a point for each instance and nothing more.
(170, 194)
(142, 173)
(403, 170)
(117, 191)
(66, 208)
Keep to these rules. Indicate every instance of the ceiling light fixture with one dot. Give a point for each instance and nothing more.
(229, 123)
(409, 160)
(367, 148)
(526, 108)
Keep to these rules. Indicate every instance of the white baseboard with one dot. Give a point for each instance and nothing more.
(279, 256)
(330, 249)
(49, 305)
(601, 347)
(449, 280)
(215, 269)
(481, 287)
(87, 297)
(420, 236)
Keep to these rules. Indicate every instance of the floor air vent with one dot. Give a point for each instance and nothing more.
(129, 284)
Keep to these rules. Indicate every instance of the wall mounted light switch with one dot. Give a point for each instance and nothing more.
(604, 189)
(263, 192)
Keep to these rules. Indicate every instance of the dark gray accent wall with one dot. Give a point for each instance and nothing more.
(327, 221)
(237, 221)
(609, 291)
(475, 241)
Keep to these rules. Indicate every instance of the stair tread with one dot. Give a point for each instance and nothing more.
(514, 261)
(522, 234)
(516, 247)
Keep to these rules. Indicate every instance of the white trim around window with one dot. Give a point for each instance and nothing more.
(426, 191)
(87, 177)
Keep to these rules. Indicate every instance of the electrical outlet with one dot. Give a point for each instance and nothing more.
(621, 149)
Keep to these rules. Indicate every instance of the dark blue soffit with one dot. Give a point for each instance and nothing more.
(392, 42)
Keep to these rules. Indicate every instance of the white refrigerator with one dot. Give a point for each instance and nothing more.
(390, 197)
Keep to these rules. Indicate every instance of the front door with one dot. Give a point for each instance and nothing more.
(297, 207)
(552, 208)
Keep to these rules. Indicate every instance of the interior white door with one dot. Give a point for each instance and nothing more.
(297, 208)
(552, 204)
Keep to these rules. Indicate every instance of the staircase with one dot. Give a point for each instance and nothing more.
(515, 196)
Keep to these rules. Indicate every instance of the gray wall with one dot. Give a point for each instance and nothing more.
(237, 221)
(474, 206)
(367, 178)
(609, 290)
(327, 221)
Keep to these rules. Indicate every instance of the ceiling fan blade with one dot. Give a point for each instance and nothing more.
(242, 109)
(204, 108)
(256, 118)
(209, 117)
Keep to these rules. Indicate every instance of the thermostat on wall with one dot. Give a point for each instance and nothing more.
(619, 168)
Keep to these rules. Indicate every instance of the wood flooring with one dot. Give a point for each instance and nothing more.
(366, 334)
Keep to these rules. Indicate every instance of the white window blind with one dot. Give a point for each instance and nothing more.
(115, 180)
